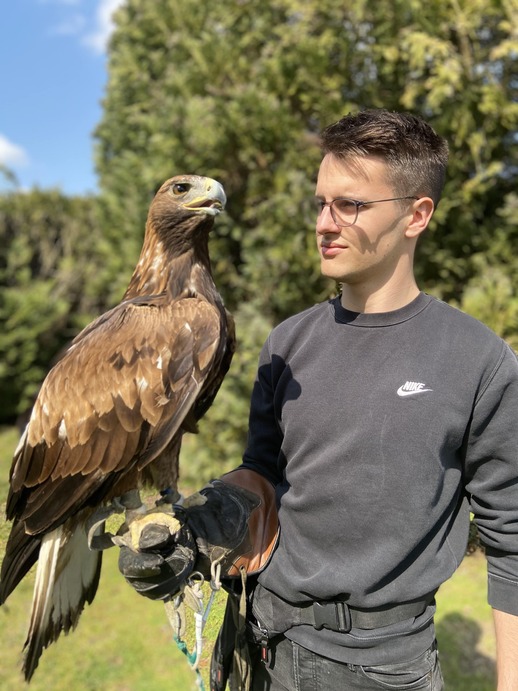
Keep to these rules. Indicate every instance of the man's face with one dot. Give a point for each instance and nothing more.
(371, 250)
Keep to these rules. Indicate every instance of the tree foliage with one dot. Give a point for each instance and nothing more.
(52, 280)
(240, 91)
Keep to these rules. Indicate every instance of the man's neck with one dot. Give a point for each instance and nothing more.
(386, 299)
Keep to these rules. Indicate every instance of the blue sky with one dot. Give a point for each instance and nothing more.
(52, 80)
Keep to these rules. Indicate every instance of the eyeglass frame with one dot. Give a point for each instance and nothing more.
(358, 204)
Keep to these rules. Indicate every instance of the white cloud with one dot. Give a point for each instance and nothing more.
(98, 38)
(12, 154)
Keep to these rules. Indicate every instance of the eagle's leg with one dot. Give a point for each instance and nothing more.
(169, 496)
(98, 539)
(132, 504)
(128, 503)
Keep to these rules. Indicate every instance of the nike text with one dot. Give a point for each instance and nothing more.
(410, 388)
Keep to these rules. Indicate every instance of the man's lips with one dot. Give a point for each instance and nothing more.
(331, 249)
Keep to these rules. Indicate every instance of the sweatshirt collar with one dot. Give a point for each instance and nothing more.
(345, 316)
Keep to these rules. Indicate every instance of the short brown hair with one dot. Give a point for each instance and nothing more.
(415, 155)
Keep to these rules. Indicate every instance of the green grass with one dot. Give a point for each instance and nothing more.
(465, 631)
(124, 643)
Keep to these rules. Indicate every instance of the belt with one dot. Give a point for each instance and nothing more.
(339, 616)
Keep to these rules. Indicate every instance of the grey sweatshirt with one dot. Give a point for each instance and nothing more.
(376, 430)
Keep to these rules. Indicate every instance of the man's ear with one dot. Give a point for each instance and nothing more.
(422, 211)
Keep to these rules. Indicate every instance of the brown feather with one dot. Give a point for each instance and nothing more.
(130, 449)
(44, 460)
(129, 418)
(85, 427)
(21, 554)
(80, 457)
(50, 456)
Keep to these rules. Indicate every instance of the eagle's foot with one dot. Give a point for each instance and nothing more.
(133, 507)
(98, 539)
(129, 503)
(170, 497)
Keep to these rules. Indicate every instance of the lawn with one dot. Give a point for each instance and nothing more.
(124, 643)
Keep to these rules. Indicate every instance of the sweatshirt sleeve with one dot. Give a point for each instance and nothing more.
(491, 479)
(263, 450)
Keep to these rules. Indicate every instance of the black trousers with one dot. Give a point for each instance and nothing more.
(293, 668)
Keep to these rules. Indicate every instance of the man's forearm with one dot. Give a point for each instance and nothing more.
(506, 628)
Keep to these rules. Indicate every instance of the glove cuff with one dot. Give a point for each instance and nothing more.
(263, 524)
(237, 525)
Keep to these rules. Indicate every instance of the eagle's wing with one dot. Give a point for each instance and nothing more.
(111, 405)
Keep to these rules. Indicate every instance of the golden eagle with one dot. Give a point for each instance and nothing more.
(111, 413)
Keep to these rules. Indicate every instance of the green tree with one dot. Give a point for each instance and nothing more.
(53, 264)
(239, 91)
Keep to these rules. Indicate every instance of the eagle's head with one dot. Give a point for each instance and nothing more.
(198, 194)
(185, 197)
(182, 212)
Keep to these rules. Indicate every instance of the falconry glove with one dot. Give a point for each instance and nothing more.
(232, 522)
(158, 554)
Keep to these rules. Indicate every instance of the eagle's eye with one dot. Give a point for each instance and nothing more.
(181, 187)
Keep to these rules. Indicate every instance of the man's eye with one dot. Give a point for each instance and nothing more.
(345, 206)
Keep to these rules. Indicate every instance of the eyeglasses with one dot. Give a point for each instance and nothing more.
(344, 212)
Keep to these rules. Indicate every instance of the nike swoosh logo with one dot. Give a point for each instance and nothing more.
(401, 391)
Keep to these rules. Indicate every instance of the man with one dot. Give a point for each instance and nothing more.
(377, 416)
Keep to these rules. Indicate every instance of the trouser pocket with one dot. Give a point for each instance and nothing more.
(423, 673)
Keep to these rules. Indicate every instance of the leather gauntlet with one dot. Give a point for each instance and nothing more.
(231, 521)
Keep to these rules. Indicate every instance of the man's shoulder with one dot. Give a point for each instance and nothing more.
(468, 335)
(309, 325)
(301, 319)
(451, 315)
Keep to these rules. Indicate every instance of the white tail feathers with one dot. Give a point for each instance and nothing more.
(66, 579)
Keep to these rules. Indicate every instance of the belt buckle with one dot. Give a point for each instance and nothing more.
(334, 616)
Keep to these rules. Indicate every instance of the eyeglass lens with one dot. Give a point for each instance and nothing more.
(344, 211)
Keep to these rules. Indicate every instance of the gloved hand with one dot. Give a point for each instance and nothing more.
(157, 554)
(231, 521)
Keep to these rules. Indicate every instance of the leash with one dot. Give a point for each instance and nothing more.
(191, 595)
(193, 598)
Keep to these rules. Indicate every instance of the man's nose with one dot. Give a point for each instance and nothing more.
(325, 222)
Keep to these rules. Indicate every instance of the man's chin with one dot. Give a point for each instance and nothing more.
(333, 273)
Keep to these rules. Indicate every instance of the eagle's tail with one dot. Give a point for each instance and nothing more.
(66, 579)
